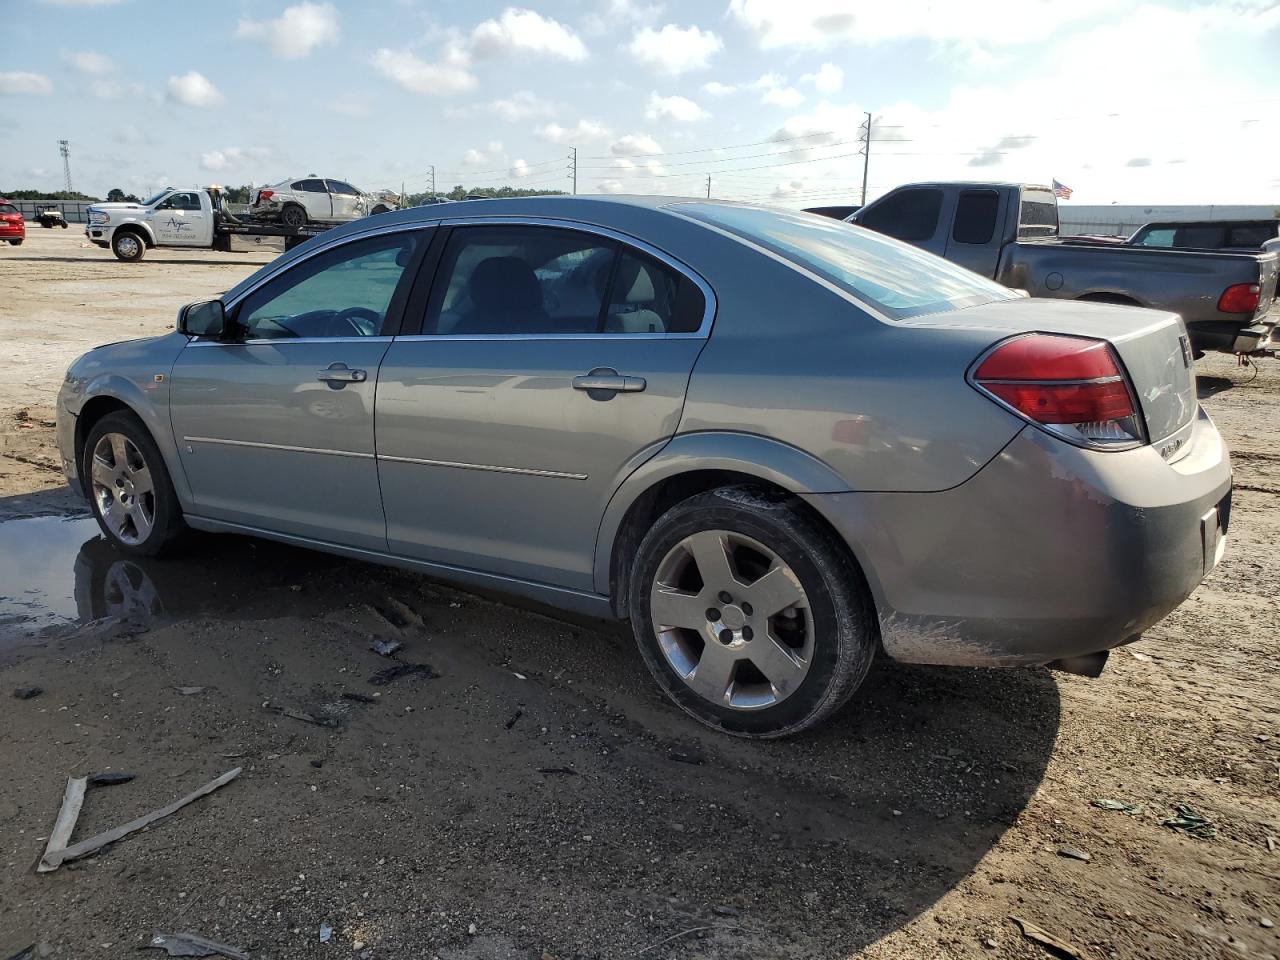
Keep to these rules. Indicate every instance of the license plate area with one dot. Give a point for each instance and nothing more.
(1213, 533)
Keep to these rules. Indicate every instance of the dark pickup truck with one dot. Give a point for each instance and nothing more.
(1009, 232)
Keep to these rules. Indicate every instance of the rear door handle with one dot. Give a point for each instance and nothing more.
(603, 382)
(338, 373)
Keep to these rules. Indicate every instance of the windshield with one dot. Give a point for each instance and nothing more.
(896, 278)
(155, 199)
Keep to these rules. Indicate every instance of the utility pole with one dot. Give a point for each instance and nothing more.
(64, 146)
(708, 186)
(866, 156)
(573, 167)
(433, 181)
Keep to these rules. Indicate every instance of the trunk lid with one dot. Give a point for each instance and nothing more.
(1152, 346)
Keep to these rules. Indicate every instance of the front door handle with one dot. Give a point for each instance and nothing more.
(337, 374)
(603, 382)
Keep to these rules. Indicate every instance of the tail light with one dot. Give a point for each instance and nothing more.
(265, 195)
(1072, 387)
(1240, 298)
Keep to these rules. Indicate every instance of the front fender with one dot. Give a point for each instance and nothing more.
(769, 460)
(141, 226)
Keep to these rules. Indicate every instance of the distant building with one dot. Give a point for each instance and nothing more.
(1123, 220)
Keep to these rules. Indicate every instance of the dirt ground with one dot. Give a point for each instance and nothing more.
(534, 795)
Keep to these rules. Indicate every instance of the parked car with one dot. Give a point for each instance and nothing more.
(1009, 232)
(50, 216)
(12, 227)
(315, 200)
(1207, 234)
(775, 442)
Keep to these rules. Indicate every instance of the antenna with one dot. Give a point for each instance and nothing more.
(64, 146)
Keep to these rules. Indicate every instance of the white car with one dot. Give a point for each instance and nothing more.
(313, 199)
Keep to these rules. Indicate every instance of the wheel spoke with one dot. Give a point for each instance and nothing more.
(115, 513)
(710, 552)
(711, 678)
(103, 474)
(780, 665)
(675, 608)
(118, 451)
(141, 522)
(141, 479)
(775, 591)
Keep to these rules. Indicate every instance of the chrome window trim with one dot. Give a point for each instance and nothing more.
(279, 341)
(278, 446)
(679, 266)
(488, 468)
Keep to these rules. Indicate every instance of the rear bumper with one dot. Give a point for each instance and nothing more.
(1048, 552)
(12, 233)
(1244, 336)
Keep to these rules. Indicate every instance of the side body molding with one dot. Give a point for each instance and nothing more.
(746, 453)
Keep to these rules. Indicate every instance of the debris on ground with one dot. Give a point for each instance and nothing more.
(358, 697)
(190, 691)
(326, 932)
(562, 771)
(57, 852)
(309, 718)
(685, 756)
(390, 674)
(1074, 853)
(1140, 657)
(28, 693)
(519, 676)
(1046, 939)
(1133, 809)
(385, 648)
(192, 945)
(110, 778)
(1192, 822)
(511, 720)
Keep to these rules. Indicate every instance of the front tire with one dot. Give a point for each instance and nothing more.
(130, 492)
(750, 614)
(128, 246)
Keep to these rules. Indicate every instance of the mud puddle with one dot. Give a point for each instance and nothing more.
(58, 572)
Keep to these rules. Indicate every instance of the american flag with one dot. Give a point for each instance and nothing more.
(1061, 191)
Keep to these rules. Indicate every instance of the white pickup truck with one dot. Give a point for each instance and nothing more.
(179, 217)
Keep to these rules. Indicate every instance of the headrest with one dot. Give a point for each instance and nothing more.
(505, 283)
(634, 278)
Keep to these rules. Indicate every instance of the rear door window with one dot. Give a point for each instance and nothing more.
(311, 186)
(910, 215)
(976, 213)
(8, 208)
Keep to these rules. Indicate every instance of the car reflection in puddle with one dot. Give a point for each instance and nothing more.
(58, 572)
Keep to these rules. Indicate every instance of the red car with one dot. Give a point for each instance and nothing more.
(12, 227)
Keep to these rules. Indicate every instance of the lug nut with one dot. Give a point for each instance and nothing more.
(746, 608)
(726, 637)
(747, 633)
(724, 597)
(713, 614)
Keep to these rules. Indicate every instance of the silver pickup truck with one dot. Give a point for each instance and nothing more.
(1009, 232)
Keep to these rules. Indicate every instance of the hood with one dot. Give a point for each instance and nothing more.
(119, 205)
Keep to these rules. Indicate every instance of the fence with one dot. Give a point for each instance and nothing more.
(76, 211)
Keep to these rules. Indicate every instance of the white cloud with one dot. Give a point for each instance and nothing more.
(677, 108)
(449, 76)
(674, 50)
(634, 144)
(584, 130)
(610, 186)
(522, 105)
(194, 90)
(495, 147)
(228, 157)
(828, 79)
(519, 168)
(21, 82)
(654, 168)
(296, 32)
(717, 89)
(474, 158)
(108, 89)
(777, 92)
(95, 64)
(622, 163)
(525, 31)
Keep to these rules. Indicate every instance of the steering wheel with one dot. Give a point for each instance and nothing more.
(361, 321)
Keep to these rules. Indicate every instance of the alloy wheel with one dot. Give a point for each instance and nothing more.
(732, 620)
(123, 489)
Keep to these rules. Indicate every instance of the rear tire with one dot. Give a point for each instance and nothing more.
(64, 226)
(293, 216)
(16, 243)
(130, 492)
(128, 246)
(793, 633)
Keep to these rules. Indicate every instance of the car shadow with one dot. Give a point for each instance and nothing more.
(1207, 387)
(549, 774)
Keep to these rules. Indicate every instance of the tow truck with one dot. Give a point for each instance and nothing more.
(193, 217)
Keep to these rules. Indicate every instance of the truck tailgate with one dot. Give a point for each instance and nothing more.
(1151, 344)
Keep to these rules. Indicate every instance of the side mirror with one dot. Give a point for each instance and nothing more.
(205, 319)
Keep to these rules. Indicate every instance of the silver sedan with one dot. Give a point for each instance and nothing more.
(777, 443)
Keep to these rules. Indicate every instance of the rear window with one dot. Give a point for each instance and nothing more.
(1251, 237)
(8, 208)
(1038, 215)
(908, 214)
(896, 278)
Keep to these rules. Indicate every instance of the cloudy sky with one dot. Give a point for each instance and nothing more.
(1129, 101)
